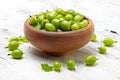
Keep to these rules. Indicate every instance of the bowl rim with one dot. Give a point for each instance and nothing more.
(26, 24)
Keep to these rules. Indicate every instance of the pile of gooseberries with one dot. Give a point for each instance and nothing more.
(70, 64)
(13, 46)
(107, 42)
(90, 60)
(58, 20)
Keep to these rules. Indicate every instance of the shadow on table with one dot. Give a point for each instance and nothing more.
(78, 55)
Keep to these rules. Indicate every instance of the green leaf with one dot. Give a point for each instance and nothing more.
(23, 39)
(46, 67)
(19, 39)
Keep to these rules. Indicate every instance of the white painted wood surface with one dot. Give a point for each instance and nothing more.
(105, 15)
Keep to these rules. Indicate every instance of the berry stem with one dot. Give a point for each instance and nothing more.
(6, 47)
(9, 54)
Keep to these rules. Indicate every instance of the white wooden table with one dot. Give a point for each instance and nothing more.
(105, 15)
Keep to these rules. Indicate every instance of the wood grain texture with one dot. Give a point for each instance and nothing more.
(58, 43)
(105, 14)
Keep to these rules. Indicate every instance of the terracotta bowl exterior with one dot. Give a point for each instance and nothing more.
(58, 43)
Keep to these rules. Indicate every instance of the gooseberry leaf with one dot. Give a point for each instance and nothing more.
(46, 67)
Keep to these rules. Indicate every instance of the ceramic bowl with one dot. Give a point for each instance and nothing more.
(59, 43)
